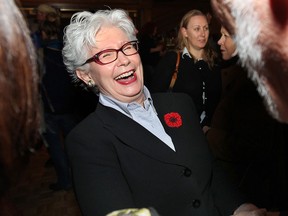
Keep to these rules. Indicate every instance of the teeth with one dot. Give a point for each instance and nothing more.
(125, 75)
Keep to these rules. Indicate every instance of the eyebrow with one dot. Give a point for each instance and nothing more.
(199, 25)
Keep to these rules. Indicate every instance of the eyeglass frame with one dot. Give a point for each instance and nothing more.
(95, 57)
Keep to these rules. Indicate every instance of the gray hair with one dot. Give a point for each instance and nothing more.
(250, 51)
(79, 35)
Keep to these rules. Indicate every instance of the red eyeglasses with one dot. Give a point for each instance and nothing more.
(110, 55)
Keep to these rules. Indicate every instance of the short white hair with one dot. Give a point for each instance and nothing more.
(79, 35)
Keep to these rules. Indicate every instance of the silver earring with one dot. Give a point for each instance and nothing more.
(90, 84)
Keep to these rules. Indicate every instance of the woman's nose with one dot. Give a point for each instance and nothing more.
(203, 31)
(123, 59)
(220, 41)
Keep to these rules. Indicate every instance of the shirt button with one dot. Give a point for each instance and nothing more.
(187, 172)
(196, 203)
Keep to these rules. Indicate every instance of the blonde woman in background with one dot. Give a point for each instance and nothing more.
(199, 73)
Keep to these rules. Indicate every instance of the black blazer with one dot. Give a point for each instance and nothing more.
(118, 164)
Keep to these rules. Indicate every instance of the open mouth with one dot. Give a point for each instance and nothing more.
(126, 75)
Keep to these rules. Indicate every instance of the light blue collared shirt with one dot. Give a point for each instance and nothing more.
(145, 116)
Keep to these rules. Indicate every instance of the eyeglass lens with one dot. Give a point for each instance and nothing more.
(110, 55)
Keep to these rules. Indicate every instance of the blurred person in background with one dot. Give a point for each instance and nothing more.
(43, 12)
(151, 48)
(59, 98)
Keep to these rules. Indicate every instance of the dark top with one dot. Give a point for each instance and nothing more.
(58, 92)
(241, 124)
(245, 137)
(145, 45)
(117, 164)
(190, 80)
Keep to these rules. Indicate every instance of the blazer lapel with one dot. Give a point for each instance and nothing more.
(135, 135)
(188, 138)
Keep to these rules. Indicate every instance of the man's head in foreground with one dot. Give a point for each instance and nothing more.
(260, 29)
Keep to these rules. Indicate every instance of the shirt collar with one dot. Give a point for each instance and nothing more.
(186, 52)
(125, 107)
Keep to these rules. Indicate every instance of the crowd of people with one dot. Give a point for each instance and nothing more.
(209, 146)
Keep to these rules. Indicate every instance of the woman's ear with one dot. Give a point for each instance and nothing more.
(84, 76)
(184, 32)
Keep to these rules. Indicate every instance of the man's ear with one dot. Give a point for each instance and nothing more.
(84, 76)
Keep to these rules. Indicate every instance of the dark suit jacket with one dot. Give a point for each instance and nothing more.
(118, 164)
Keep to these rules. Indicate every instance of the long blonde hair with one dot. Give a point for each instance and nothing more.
(182, 42)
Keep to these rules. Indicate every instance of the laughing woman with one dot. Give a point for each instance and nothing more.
(136, 150)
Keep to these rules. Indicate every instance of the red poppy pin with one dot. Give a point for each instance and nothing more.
(173, 119)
